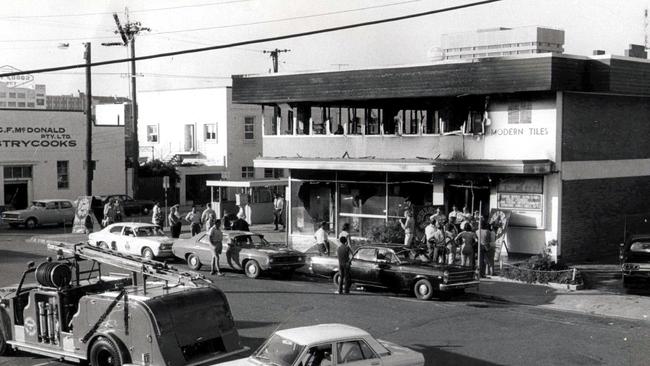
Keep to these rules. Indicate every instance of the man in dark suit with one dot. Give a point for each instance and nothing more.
(344, 254)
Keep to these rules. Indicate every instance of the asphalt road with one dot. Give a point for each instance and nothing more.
(468, 330)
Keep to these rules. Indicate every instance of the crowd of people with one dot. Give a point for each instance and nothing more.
(456, 238)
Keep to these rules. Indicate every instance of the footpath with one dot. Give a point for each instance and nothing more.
(605, 297)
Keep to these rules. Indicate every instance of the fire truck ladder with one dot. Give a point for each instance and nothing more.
(148, 268)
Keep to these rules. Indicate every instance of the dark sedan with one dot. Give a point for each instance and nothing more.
(242, 250)
(393, 268)
(130, 205)
(635, 257)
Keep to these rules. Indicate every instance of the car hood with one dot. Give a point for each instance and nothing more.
(26, 210)
(276, 251)
(157, 239)
(401, 355)
(248, 361)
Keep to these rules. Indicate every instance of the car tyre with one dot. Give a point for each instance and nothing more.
(105, 353)
(103, 245)
(336, 279)
(252, 269)
(423, 289)
(31, 223)
(193, 262)
(5, 349)
(147, 253)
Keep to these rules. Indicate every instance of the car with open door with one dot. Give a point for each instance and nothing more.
(242, 250)
(397, 269)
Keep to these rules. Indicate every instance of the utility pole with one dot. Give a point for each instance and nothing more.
(274, 57)
(90, 164)
(128, 34)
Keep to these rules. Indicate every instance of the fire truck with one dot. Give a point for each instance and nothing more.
(75, 313)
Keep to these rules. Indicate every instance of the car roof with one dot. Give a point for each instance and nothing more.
(132, 224)
(321, 333)
(52, 200)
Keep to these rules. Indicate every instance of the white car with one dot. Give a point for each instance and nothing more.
(328, 345)
(146, 240)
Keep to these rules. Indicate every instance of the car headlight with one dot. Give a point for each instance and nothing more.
(270, 260)
(445, 276)
(300, 259)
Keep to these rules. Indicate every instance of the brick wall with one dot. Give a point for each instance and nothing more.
(605, 127)
(593, 213)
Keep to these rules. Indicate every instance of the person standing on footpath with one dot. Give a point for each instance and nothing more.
(208, 216)
(109, 213)
(175, 224)
(432, 236)
(492, 248)
(240, 224)
(216, 240)
(344, 253)
(408, 225)
(440, 218)
(453, 215)
(119, 210)
(322, 239)
(450, 234)
(157, 217)
(468, 240)
(278, 211)
(194, 219)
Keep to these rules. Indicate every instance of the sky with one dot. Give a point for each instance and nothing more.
(31, 32)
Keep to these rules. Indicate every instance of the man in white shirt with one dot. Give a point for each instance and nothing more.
(208, 216)
(435, 239)
(278, 211)
(321, 239)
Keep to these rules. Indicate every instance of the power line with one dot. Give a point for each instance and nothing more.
(231, 25)
(254, 41)
(132, 11)
(287, 19)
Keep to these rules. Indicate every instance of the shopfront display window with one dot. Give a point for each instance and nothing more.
(363, 198)
(311, 204)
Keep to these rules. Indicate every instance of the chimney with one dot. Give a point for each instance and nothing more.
(637, 51)
(599, 52)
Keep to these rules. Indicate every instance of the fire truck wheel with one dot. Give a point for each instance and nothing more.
(4, 347)
(105, 353)
(147, 253)
(193, 262)
(252, 269)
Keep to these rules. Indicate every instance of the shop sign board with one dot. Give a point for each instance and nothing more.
(520, 201)
(26, 135)
(15, 80)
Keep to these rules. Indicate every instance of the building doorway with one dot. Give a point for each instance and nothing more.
(468, 194)
(16, 194)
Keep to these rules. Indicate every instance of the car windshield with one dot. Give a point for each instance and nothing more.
(36, 204)
(403, 255)
(279, 351)
(253, 240)
(640, 247)
(148, 231)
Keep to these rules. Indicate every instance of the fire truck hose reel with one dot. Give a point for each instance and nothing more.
(53, 274)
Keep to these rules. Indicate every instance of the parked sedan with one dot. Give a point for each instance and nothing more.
(242, 250)
(41, 212)
(329, 344)
(130, 205)
(393, 268)
(135, 238)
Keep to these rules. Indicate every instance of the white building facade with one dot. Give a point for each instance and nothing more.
(202, 129)
(42, 155)
(502, 42)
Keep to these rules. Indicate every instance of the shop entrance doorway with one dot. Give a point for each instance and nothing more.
(16, 195)
(467, 194)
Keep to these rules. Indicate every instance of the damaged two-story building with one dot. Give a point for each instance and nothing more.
(560, 141)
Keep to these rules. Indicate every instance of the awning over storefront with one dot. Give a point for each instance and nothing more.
(410, 165)
(247, 183)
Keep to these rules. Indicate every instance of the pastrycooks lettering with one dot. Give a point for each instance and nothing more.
(12, 137)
